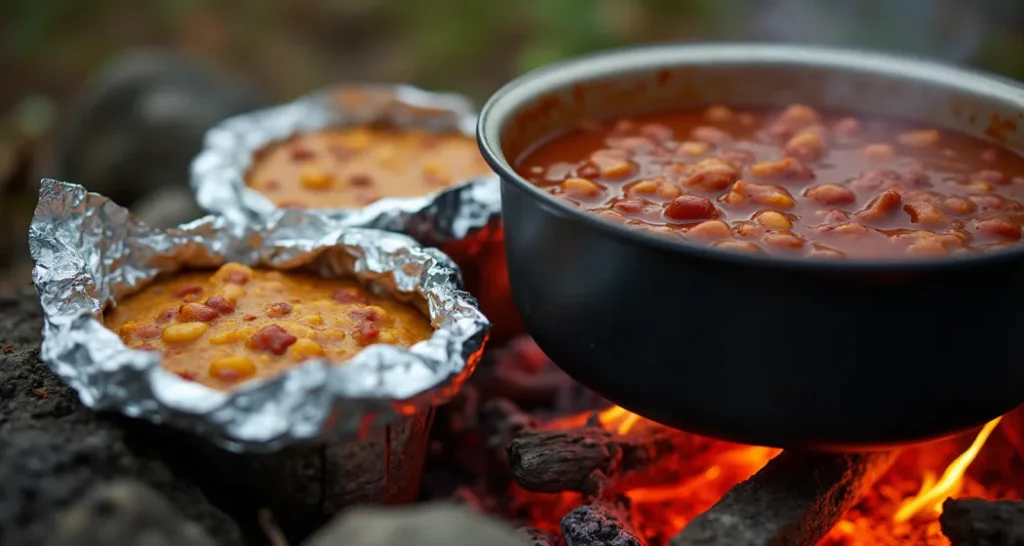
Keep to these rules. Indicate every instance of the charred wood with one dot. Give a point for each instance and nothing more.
(590, 459)
(794, 500)
(603, 523)
(978, 522)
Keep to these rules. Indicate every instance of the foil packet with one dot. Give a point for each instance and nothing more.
(450, 214)
(89, 253)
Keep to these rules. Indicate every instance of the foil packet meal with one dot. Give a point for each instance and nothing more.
(89, 253)
(464, 209)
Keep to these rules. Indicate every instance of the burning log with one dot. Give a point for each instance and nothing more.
(794, 500)
(536, 537)
(603, 523)
(590, 459)
(978, 522)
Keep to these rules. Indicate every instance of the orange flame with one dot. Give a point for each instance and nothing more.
(931, 495)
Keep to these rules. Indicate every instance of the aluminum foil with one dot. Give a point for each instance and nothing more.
(89, 253)
(450, 214)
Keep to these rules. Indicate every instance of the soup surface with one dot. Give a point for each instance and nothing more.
(350, 168)
(796, 182)
(237, 323)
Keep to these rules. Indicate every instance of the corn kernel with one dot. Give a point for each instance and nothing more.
(315, 179)
(297, 330)
(312, 320)
(223, 338)
(232, 292)
(128, 327)
(305, 348)
(232, 368)
(387, 336)
(978, 185)
(184, 332)
(774, 220)
(358, 139)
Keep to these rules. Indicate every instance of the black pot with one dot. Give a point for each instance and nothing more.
(760, 349)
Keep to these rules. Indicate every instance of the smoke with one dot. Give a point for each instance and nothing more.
(947, 29)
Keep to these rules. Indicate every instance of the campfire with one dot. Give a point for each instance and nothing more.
(572, 469)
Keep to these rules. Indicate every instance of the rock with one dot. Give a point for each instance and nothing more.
(126, 512)
(979, 522)
(167, 207)
(137, 125)
(424, 525)
(53, 450)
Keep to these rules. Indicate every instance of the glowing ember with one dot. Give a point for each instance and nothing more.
(912, 489)
(930, 498)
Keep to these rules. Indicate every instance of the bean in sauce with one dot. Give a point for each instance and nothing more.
(791, 182)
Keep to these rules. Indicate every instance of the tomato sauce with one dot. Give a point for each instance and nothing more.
(792, 182)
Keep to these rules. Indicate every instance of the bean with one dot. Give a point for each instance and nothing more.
(831, 194)
(879, 152)
(348, 295)
(612, 163)
(925, 214)
(693, 148)
(273, 339)
(798, 116)
(580, 188)
(220, 304)
(786, 168)
(278, 310)
(999, 228)
(808, 144)
(712, 174)
(196, 312)
(718, 113)
(774, 220)
(188, 289)
(783, 240)
(922, 138)
(710, 230)
(710, 135)
(847, 127)
(690, 207)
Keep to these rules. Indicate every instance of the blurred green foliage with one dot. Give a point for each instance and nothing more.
(467, 45)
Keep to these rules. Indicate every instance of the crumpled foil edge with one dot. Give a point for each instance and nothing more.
(450, 214)
(88, 252)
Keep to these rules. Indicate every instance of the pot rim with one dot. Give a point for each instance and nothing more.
(525, 89)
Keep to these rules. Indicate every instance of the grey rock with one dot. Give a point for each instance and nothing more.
(137, 124)
(53, 450)
(126, 512)
(424, 525)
